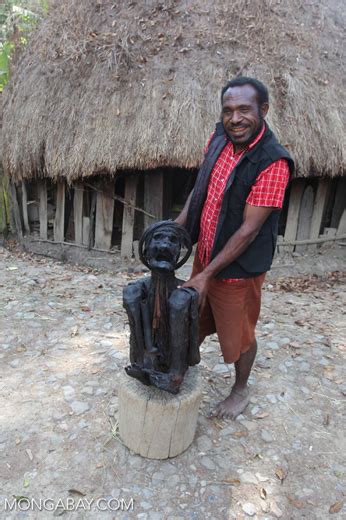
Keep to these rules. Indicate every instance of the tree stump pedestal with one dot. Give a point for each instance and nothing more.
(155, 423)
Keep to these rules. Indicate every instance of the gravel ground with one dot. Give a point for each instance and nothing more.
(63, 343)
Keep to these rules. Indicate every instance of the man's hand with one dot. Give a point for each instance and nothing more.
(200, 283)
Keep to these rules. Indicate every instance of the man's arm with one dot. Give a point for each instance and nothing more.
(253, 219)
(181, 218)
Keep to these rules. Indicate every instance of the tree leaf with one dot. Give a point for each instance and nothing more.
(263, 493)
(281, 474)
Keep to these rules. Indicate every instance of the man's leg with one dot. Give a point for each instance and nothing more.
(238, 399)
(236, 308)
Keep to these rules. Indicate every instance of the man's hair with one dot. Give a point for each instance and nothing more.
(262, 91)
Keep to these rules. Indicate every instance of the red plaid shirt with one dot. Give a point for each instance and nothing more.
(268, 190)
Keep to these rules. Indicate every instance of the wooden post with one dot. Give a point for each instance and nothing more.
(128, 216)
(293, 211)
(16, 222)
(153, 196)
(86, 231)
(42, 193)
(104, 216)
(25, 208)
(59, 213)
(319, 208)
(339, 202)
(305, 216)
(342, 224)
(78, 213)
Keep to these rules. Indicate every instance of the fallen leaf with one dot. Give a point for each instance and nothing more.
(243, 433)
(21, 348)
(26, 483)
(258, 456)
(18, 441)
(232, 481)
(76, 492)
(300, 323)
(29, 453)
(335, 508)
(85, 308)
(261, 415)
(326, 420)
(280, 473)
(263, 493)
(74, 332)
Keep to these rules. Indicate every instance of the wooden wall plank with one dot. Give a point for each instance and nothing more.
(128, 216)
(59, 220)
(86, 231)
(78, 213)
(16, 223)
(153, 197)
(293, 211)
(42, 194)
(323, 190)
(319, 207)
(104, 216)
(339, 202)
(305, 217)
(25, 208)
(342, 224)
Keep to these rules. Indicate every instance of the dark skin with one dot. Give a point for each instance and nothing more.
(242, 117)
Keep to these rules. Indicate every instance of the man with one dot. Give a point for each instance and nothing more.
(233, 211)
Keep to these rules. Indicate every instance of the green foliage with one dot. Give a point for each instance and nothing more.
(17, 19)
(4, 208)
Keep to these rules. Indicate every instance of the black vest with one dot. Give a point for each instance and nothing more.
(257, 258)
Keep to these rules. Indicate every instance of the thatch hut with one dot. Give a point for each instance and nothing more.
(110, 106)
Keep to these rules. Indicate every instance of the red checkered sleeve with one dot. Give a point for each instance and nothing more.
(269, 188)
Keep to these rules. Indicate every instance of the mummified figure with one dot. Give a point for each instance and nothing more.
(163, 319)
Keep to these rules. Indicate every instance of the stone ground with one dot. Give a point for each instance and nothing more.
(63, 344)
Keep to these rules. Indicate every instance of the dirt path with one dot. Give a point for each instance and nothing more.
(63, 343)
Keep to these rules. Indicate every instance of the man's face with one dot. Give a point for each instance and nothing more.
(242, 117)
(163, 251)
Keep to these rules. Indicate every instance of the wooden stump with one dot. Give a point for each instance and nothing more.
(154, 423)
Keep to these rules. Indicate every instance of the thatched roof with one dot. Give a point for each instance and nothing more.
(105, 87)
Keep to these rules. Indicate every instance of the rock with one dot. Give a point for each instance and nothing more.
(274, 508)
(248, 478)
(88, 390)
(14, 363)
(269, 326)
(254, 410)
(204, 443)
(208, 463)
(146, 505)
(220, 369)
(69, 393)
(271, 398)
(283, 341)
(106, 343)
(80, 407)
(249, 509)
(304, 367)
(266, 436)
(261, 478)
(249, 425)
(101, 391)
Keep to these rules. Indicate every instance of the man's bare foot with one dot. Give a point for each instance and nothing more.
(234, 404)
